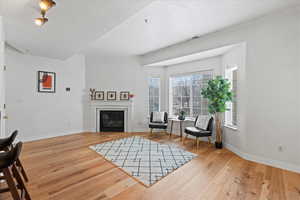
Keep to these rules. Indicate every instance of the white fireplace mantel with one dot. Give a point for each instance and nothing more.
(97, 106)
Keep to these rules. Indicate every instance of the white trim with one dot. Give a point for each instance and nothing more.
(229, 113)
(209, 69)
(192, 57)
(159, 91)
(52, 135)
(262, 160)
(232, 127)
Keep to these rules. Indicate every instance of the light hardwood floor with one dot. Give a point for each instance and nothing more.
(64, 168)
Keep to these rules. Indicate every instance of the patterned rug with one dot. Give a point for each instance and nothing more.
(145, 160)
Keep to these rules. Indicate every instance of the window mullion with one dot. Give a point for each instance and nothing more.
(191, 98)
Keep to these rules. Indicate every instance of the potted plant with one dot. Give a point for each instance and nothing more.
(181, 115)
(218, 92)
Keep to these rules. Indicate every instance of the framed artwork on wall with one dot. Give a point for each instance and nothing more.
(124, 95)
(99, 95)
(46, 82)
(111, 95)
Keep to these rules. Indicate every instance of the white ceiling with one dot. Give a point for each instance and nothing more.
(118, 26)
(173, 21)
(73, 24)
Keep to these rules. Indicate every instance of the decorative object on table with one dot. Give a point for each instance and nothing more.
(133, 155)
(46, 82)
(218, 92)
(124, 95)
(203, 127)
(131, 96)
(111, 95)
(99, 95)
(92, 93)
(181, 115)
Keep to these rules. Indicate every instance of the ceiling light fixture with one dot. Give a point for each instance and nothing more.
(45, 5)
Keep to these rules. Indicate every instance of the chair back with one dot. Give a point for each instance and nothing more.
(10, 157)
(7, 142)
(165, 117)
(209, 125)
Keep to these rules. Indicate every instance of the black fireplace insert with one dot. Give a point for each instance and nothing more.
(112, 121)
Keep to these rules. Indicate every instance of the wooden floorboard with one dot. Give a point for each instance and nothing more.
(64, 168)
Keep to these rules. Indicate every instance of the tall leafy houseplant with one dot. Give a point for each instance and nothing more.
(218, 92)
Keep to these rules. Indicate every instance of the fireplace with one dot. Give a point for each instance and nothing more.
(96, 107)
(112, 121)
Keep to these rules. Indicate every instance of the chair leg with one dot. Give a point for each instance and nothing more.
(19, 164)
(209, 140)
(20, 182)
(197, 139)
(11, 184)
(151, 131)
(186, 136)
(166, 131)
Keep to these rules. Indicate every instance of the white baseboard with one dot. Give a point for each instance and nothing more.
(47, 136)
(262, 160)
(134, 130)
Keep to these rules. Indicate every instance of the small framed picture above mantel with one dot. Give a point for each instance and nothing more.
(111, 95)
(46, 82)
(124, 95)
(99, 95)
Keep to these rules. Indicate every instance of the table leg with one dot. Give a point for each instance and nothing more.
(180, 130)
(171, 128)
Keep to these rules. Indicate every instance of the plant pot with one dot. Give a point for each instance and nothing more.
(219, 145)
(181, 117)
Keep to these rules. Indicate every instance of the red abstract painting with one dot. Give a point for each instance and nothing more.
(46, 82)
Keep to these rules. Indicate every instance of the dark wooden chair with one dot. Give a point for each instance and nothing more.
(158, 124)
(11, 175)
(199, 132)
(6, 144)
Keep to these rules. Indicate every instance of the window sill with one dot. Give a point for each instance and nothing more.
(232, 127)
(186, 118)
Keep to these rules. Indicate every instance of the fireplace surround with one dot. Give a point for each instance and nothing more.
(97, 106)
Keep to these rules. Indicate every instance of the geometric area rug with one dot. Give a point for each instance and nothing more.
(145, 160)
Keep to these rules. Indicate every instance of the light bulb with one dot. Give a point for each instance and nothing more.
(46, 4)
(40, 21)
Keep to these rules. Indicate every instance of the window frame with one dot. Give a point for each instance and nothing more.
(229, 113)
(159, 92)
(170, 96)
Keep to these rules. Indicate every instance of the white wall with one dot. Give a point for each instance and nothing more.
(42, 115)
(126, 74)
(120, 74)
(236, 57)
(2, 80)
(271, 84)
